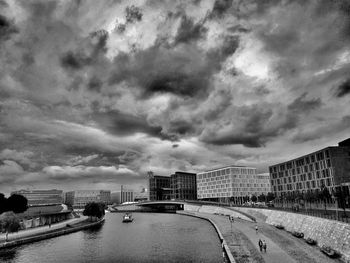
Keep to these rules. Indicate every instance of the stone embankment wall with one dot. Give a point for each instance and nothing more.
(214, 210)
(326, 232)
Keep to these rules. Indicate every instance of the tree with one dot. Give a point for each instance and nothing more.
(17, 203)
(324, 195)
(94, 210)
(3, 203)
(10, 222)
(254, 198)
(270, 196)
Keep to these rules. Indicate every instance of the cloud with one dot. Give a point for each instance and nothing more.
(24, 157)
(9, 171)
(301, 104)
(91, 173)
(343, 89)
(7, 28)
(189, 30)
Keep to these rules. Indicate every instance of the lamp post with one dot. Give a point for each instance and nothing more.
(231, 218)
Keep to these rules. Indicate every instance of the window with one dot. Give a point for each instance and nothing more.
(313, 158)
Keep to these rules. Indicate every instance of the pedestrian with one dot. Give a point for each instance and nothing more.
(260, 245)
(256, 229)
(264, 246)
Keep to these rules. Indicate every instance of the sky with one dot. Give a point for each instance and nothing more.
(94, 94)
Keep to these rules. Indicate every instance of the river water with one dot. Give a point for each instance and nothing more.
(152, 237)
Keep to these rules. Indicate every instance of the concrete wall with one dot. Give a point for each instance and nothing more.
(326, 232)
(214, 210)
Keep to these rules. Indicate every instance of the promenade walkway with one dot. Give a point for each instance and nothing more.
(243, 241)
(41, 230)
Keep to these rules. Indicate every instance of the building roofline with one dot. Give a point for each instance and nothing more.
(229, 166)
(303, 156)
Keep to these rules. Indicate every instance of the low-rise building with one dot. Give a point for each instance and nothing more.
(78, 199)
(231, 184)
(42, 197)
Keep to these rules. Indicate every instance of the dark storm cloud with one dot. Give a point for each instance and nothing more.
(181, 127)
(161, 70)
(302, 104)
(125, 124)
(255, 125)
(250, 130)
(343, 89)
(189, 30)
(220, 7)
(7, 28)
(133, 14)
(184, 70)
(95, 84)
(76, 60)
(92, 49)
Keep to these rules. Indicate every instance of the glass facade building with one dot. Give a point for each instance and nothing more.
(183, 186)
(159, 187)
(231, 183)
(329, 167)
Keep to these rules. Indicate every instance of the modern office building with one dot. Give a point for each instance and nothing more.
(231, 183)
(115, 198)
(126, 195)
(78, 199)
(183, 186)
(329, 167)
(159, 187)
(42, 197)
(141, 195)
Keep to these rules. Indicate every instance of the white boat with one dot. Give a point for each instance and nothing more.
(127, 218)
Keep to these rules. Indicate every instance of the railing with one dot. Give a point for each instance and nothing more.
(331, 214)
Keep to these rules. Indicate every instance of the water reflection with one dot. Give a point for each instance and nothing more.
(150, 238)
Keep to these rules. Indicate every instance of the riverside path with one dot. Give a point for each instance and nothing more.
(40, 230)
(243, 241)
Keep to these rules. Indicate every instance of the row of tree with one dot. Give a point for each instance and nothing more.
(9, 207)
(94, 210)
(15, 203)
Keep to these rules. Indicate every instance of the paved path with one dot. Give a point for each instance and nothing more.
(41, 229)
(243, 241)
(274, 254)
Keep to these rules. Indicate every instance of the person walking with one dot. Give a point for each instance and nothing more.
(260, 245)
(256, 229)
(264, 245)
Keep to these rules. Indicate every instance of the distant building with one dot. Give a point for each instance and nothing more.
(42, 197)
(328, 167)
(126, 195)
(159, 187)
(183, 186)
(115, 198)
(78, 199)
(231, 184)
(141, 196)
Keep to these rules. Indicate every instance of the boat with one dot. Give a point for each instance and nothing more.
(127, 218)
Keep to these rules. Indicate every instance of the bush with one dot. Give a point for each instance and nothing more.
(94, 210)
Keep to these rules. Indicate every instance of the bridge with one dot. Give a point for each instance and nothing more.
(151, 206)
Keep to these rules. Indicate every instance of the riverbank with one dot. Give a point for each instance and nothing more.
(67, 228)
(224, 245)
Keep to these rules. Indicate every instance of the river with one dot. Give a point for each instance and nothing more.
(152, 237)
